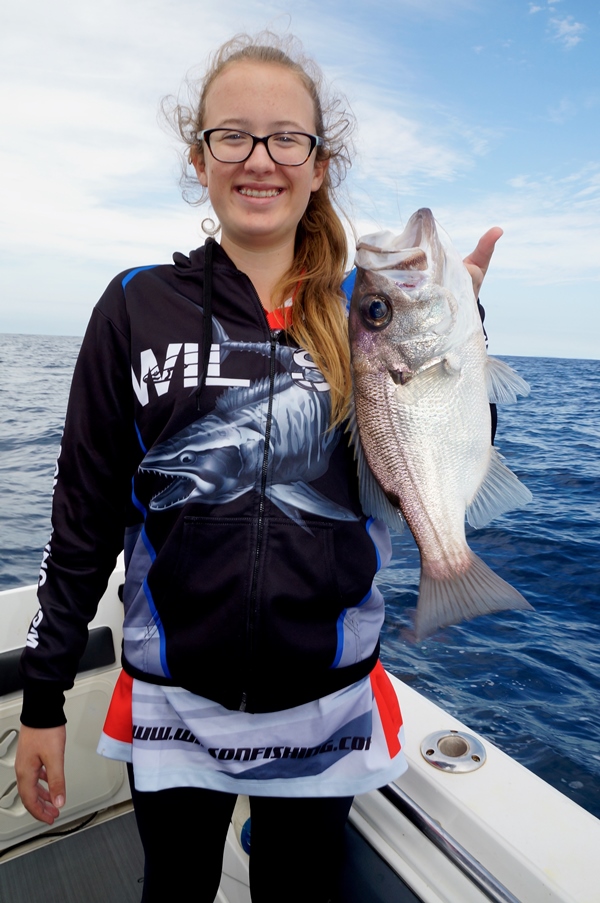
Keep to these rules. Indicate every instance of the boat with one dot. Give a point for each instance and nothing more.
(465, 823)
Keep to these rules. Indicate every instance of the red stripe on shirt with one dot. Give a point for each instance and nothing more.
(280, 318)
(389, 709)
(119, 720)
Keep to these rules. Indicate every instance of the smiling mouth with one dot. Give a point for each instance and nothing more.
(255, 193)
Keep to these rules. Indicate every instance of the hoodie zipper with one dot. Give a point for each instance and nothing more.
(254, 606)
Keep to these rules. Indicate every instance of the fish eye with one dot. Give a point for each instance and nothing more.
(376, 311)
(187, 457)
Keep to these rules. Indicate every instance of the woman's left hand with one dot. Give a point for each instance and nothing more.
(478, 261)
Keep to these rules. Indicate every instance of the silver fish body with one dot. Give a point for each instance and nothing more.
(422, 386)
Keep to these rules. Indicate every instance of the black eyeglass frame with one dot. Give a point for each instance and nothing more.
(315, 141)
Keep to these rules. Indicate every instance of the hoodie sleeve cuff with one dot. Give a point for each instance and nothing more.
(43, 704)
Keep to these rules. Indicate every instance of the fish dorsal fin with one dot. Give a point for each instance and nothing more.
(501, 491)
(503, 383)
(373, 499)
(220, 336)
(240, 396)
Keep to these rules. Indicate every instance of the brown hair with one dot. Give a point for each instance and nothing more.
(317, 270)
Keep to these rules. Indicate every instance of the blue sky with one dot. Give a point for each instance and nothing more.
(487, 111)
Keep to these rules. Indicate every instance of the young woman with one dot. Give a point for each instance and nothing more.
(205, 427)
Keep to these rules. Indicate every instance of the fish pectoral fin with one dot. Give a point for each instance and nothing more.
(352, 427)
(462, 596)
(373, 499)
(427, 380)
(503, 383)
(292, 498)
(501, 491)
(289, 509)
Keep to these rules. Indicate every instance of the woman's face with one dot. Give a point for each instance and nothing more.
(259, 203)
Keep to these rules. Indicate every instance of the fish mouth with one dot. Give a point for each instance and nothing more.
(179, 488)
(177, 493)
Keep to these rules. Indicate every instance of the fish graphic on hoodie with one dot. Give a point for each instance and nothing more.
(213, 460)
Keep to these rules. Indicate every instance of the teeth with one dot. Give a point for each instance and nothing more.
(254, 193)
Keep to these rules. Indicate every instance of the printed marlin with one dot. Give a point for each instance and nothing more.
(216, 458)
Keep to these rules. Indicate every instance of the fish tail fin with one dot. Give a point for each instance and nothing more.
(475, 591)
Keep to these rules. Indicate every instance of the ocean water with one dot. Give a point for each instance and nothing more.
(529, 681)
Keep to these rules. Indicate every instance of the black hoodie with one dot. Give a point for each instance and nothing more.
(249, 564)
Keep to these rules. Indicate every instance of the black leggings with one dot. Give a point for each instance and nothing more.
(296, 853)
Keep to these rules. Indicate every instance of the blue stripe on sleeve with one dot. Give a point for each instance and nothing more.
(137, 270)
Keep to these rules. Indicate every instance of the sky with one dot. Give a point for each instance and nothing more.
(486, 111)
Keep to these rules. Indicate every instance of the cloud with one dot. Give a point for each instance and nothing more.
(551, 226)
(406, 151)
(562, 112)
(396, 148)
(567, 31)
(563, 30)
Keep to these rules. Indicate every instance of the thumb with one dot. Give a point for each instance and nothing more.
(482, 254)
(478, 261)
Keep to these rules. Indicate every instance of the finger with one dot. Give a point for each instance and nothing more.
(482, 254)
(36, 800)
(45, 812)
(43, 793)
(43, 808)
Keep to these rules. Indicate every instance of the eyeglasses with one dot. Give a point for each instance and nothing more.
(284, 148)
